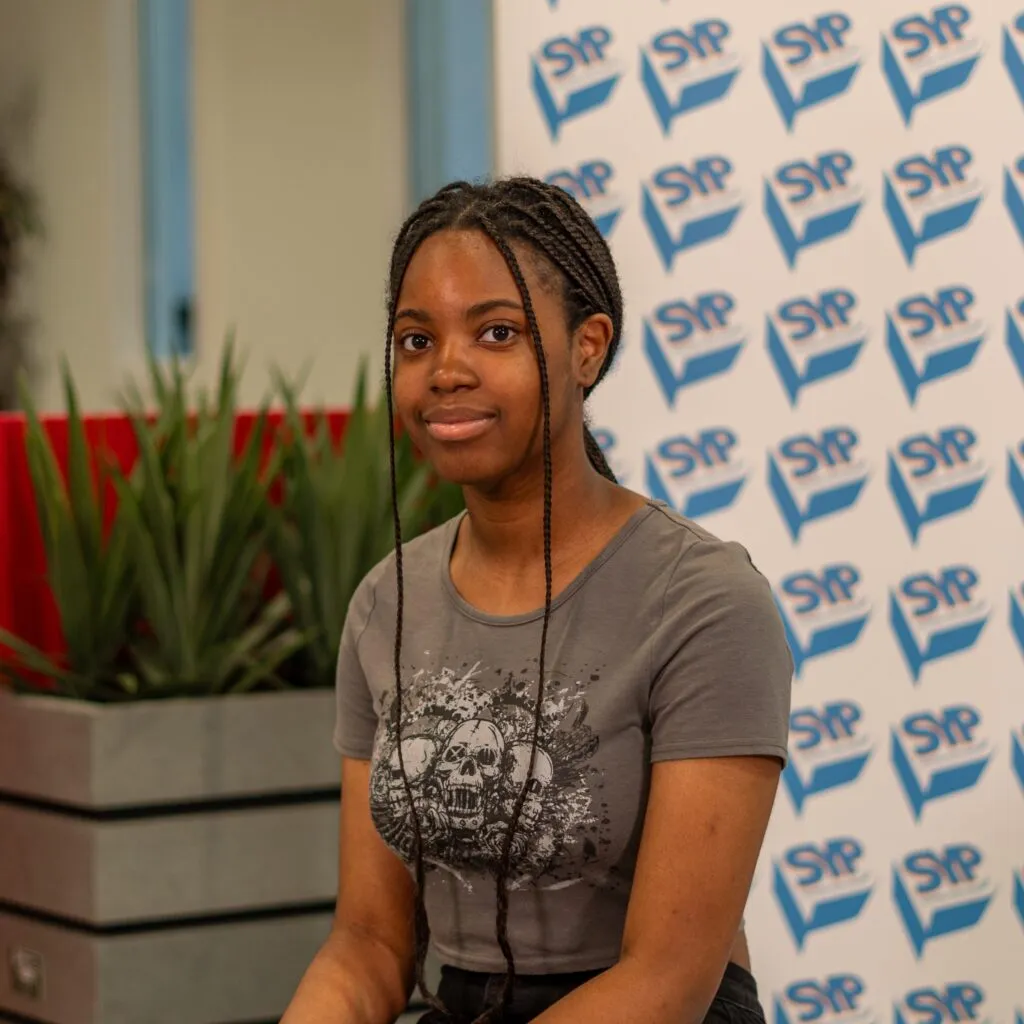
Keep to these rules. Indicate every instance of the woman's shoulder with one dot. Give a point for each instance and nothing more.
(680, 548)
(421, 557)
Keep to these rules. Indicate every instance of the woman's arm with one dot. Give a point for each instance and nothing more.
(704, 826)
(363, 974)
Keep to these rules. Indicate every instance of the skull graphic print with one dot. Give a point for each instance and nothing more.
(467, 752)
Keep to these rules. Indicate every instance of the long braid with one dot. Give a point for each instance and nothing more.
(421, 924)
(553, 225)
(501, 881)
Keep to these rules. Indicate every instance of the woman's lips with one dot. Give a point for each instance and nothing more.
(459, 429)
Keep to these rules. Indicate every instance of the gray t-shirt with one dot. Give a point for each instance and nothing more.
(668, 645)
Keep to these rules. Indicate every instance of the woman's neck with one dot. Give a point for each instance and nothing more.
(506, 529)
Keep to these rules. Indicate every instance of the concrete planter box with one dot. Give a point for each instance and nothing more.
(164, 861)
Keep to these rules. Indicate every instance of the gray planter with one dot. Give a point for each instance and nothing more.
(164, 861)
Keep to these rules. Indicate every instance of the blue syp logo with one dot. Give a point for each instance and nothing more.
(696, 474)
(687, 341)
(828, 749)
(937, 754)
(814, 477)
(1017, 754)
(1015, 335)
(935, 476)
(927, 55)
(684, 69)
(808, 63)
(1013, 194)
(931, 195)
(823, 612)
(1017, 615)
(1016, 475)
(932, 336)
(808, 202)
(941, 892)
(574, 75)
(592, 184)
(1013, 53)
(687, 205)
(821, 885)
(812, 338)
(937, 615)
(836, 999)
(962, 1002)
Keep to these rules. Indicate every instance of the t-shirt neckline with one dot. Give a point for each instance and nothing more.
(472, 612)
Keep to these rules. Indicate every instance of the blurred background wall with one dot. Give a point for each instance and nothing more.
(299, 175)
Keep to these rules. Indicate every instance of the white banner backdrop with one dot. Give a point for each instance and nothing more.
(818, 215)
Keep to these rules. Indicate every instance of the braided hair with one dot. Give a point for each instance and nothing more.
(555, 228)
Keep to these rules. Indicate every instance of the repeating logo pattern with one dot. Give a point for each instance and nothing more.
(818, 216)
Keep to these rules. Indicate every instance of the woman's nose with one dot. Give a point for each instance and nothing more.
(452, 369)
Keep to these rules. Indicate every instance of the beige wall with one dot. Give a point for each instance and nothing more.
(301, 178)
(300, 169)
(75, 61)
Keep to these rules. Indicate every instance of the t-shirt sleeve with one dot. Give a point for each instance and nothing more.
(722, 671)
(356, 718)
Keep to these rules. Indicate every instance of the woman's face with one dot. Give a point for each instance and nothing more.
(466, 378)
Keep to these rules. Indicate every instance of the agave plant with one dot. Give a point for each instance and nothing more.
(198, 529)
(335, 522)
(90, 571)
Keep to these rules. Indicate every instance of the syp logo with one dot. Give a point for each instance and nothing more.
(937, 615)
(927, 55)
(931, 195)
(814, 477)
(941, 892)
(932, 336)
(592, 184)
(1017, 615)
(937, 754)
(821, 885)
(808, 202)
(823, 612)
(687, 341)
(696, 474)
(836, 999)
(574, 75)
(1015, 335)
(828, 749)
(1016, 475)
(808, 63)
(687, 205)
(962, 1002)
(684, 69)
(1017, 754)
(813, 338)
(1013, 194)
(1013, 53)
(935, 476)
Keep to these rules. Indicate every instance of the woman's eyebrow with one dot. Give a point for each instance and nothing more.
(476, 310)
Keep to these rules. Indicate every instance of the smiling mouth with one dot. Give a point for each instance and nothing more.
(460, 430)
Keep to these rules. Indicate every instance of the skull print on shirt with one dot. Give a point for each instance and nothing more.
(467, 754)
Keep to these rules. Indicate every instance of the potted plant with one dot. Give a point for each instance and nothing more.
(171, 800)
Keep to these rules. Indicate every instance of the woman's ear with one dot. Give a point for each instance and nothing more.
(590, 347)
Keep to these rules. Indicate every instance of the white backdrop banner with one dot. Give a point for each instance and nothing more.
(818, 214)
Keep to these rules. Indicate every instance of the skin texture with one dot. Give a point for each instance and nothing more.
(462, 351)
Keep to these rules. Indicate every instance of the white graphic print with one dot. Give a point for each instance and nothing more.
(467, 752)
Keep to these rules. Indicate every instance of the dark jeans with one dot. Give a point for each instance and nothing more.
(466, 993)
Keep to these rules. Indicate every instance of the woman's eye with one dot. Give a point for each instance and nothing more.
(499, 333)
(415, 342)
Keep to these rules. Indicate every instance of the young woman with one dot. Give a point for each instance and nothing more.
(563, 714)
